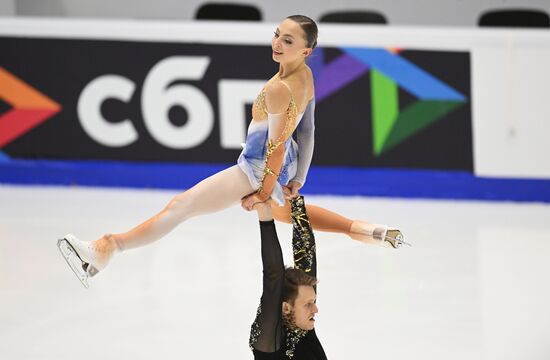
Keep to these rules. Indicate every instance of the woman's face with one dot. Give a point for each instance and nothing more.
(304, 308)
(289, 42)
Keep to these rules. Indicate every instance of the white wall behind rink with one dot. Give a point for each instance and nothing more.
(510, 72)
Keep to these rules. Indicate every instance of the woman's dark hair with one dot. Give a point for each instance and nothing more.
(295, 278)
(310, 29)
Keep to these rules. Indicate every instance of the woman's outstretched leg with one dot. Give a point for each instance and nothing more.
(215, 193)
(212, 194)
(325, 220)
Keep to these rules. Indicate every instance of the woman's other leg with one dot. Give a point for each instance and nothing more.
(328, 221)
(321, 219)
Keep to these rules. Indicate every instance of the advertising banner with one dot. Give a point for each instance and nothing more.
(76, 99)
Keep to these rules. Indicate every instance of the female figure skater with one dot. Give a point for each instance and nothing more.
(284, 324)
(268, 167)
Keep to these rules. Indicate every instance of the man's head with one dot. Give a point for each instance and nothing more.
(299, 299)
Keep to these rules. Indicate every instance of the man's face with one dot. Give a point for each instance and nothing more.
(304, 308)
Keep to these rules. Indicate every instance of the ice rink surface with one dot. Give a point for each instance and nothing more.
(474, 286)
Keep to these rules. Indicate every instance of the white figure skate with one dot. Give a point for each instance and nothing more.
(82, 257)
(377, 234)
(395, 238)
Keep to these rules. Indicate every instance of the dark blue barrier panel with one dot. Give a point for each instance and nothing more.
(321, 180)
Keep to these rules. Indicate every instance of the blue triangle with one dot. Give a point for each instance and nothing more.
(409, 76)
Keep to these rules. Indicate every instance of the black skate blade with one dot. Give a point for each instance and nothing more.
(74, 261)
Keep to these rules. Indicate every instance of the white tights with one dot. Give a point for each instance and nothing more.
(219, 192)
(212, 194)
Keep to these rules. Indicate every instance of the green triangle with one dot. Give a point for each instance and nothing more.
(385, 109)
(415, 118)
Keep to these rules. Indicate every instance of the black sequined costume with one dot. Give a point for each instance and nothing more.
(269, 338)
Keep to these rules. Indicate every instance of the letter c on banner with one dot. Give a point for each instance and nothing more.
(89, 111)
(158, 97)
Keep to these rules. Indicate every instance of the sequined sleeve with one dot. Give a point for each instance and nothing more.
(281, 127)
(303, 239)
(267, 332)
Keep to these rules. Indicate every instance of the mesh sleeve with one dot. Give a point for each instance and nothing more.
(266, 332)
(305, 134)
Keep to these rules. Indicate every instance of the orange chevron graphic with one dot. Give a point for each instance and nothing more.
(30, 108)
(394, 50)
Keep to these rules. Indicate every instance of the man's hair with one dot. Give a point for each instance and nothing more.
(295, 278)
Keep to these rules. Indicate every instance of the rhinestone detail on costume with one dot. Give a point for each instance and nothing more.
(302, 246)
(293, 337)
(255, 330)
(259, 111)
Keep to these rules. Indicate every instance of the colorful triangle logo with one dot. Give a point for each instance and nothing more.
(30, 108)
(390, 124)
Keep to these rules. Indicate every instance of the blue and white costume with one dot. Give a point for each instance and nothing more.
(298, 153)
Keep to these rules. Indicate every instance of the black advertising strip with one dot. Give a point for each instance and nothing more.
(162, 86)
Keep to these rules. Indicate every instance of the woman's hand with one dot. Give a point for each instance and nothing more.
(263, 208)
(291, 190)
(249, 201)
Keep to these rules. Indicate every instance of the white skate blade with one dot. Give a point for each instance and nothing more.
(74, 261)
(396, 242)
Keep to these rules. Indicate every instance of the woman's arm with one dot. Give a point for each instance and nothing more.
(281, 117)
(266, 332)
(305, 134)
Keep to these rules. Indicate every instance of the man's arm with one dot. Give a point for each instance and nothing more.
(266, 332)
(303, 239)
